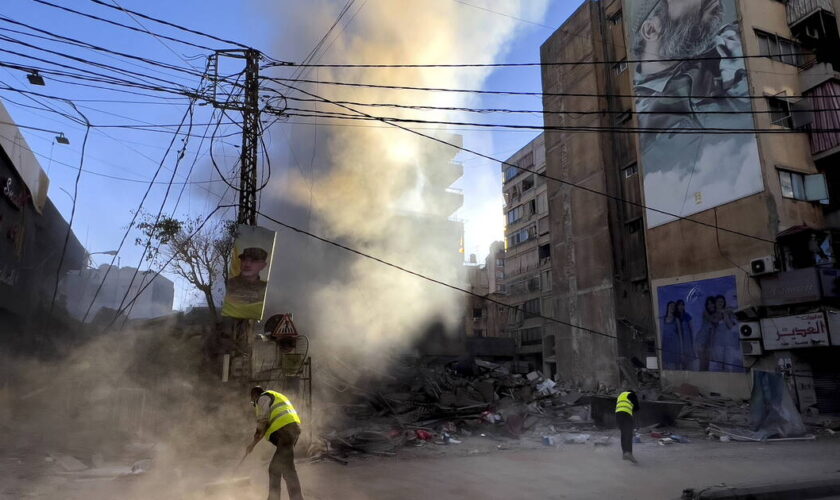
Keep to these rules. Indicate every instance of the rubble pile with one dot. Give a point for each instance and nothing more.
(443, 404)
(419, 404)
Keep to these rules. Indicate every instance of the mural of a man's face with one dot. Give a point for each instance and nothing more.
(684, 28)
(250, 268)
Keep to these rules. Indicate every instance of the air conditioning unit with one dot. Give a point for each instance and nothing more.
(751, 347)
(763, 265)
(750, 330)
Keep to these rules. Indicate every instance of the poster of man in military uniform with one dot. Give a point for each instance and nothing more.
(691, 76)
(249, 270)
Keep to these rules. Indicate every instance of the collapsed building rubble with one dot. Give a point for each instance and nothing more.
(420, 403)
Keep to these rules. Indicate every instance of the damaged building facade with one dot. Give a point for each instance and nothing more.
(713, 251)
(526, 279)
(32, 240)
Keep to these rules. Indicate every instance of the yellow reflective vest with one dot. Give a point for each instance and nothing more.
(281, 413)
(623, 403)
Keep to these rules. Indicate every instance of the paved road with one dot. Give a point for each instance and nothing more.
(569, 471)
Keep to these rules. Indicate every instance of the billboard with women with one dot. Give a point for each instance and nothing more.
(691, 93)
(697, 326)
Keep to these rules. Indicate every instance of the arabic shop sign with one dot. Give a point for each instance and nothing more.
(792, 332)
(13, 192)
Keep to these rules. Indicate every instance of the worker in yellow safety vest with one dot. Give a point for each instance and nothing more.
(625, 405)
(278, 422)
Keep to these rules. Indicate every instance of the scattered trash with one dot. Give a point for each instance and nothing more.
(637, 438)
(576, 438)
(725, 439)
(666, 441)
(423, 435)
(657, 435)
(601, 441)
(447, 439)
(679, 439)
(549, 440)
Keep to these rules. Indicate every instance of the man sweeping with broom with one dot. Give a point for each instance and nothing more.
(278, 423)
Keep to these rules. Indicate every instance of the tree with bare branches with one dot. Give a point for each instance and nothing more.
(197, 254)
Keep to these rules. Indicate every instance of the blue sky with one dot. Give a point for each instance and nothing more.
(105, 204)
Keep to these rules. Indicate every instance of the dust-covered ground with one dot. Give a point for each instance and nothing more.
(478, 467)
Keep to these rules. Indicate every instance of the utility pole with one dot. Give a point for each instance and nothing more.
(250, 139)
(251, 130)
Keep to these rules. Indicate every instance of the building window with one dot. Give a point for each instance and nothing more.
(511, 172)
(530, 336)
(616, 19)
(793, 185)
(526, 162)
(478, 333)
(780, 112)
(500, 275)
(545, 277)
(516, 214)
(478, 312)
(521, 236)
(528, 183)
(630, 170)
(779, 49)
(544, 252)
(634, 226)
(531, 308)
(500, 262)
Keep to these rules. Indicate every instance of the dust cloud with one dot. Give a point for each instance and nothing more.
(371, 186)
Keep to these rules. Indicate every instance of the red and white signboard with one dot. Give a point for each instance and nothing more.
(792, 332)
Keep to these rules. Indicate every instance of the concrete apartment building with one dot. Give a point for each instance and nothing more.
(80, 288)
(526, 280)
(731, 266)
(597, 244)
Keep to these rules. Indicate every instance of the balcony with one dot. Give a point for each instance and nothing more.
(799, 11)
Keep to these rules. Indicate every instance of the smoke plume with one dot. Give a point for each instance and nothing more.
(374, 187)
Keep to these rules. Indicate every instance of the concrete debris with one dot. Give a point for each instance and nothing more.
(576, 438)
(423, 402)
(67, 462)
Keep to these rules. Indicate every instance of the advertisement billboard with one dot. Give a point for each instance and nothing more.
(687, 80)
(790, 332)
(697, 326)
(250, 266)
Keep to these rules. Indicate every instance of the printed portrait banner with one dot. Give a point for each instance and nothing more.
(687, 172)
(250, 266)
(697, 326)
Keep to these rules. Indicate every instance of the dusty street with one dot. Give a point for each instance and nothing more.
(477, 469)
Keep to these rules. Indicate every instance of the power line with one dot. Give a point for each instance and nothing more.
(565, 128)
(416, 107)
(525, 64)
(115, 23)
(172, 25)
(436, 281)
(72, 41)
(154, 35)
(485, 9)
(73, 208)
(543, 174)
(135, 215)
(520, 93)
(164, 266)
